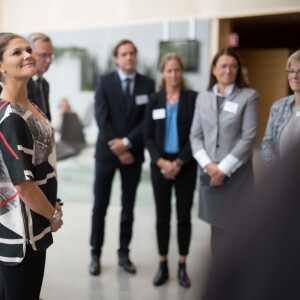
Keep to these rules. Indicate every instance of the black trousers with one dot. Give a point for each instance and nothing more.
(24, 281)
(184, 191)
(2, 292)
(130, 177)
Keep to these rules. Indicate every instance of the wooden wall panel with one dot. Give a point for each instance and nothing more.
(266, 72)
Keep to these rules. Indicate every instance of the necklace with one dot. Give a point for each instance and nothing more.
(172, 101)
(296, 110)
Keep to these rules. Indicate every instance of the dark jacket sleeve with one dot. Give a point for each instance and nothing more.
(102, 114)
(149, 129)
(137, 132)
(185, 153)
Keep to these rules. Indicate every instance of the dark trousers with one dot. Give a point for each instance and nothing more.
(2, 292)
(130, 177)
(24, 281)
(184, 191)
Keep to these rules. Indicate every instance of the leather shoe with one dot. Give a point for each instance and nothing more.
(162, 274)
(183, 278)
(126, 264)
(94, 267)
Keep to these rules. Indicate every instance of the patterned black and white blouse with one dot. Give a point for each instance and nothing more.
(27, 152)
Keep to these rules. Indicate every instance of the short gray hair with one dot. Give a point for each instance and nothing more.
(294, 58)
(38, 36)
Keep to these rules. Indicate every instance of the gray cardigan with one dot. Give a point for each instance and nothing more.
(280, 114)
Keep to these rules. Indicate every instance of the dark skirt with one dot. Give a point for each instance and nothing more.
(217, 204)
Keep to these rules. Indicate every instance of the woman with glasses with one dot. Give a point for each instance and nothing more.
(283, 128)
(222, 137)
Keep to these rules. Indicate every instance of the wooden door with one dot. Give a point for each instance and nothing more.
(265, 69)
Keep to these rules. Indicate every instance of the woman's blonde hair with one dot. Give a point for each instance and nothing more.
(163, 61)
(294, 58)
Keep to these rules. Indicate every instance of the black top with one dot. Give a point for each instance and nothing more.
(155, 125)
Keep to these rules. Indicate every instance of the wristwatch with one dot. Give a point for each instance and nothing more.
(55, 217)
(179, 163)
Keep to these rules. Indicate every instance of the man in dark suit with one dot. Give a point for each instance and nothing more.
(121, 97)
(38, 87)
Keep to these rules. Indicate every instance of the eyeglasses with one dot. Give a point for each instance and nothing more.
(45, 55)
(231, 67)
(293, 72)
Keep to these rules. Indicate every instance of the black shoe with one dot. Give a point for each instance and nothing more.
(183, 278)
(94, 267)
(126, 264)
(162, 274)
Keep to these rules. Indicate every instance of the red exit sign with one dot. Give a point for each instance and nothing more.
(233, 39)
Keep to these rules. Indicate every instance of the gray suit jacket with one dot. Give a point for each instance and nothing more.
(232, 131)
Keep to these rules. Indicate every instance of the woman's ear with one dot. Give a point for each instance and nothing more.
(1, 68)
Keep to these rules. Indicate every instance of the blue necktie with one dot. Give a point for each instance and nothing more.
(127, 92)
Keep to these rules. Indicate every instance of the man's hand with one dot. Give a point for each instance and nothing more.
(117, 146)
(126, 158)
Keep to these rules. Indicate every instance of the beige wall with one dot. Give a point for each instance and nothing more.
(54, 15)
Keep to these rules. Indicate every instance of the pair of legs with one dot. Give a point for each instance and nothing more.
(184, 191)
(130, 177)
(24, 280)
(184, 185)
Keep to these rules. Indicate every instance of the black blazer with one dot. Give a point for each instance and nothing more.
(154, 130)
(34, 96)
(114, 120)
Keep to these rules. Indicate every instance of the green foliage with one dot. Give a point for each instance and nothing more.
(90, 68)
(72, 50)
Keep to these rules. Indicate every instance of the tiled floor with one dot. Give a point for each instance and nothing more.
(67, 274)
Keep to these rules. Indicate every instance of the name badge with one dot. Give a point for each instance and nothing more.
(159, 113)
(141, 99)
(230, 107)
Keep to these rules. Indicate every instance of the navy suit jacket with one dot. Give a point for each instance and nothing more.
(34, 96)
(114, 120)
(155, 129)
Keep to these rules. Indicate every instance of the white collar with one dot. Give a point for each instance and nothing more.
(124, 76)
(36, 77)
(227, 92)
